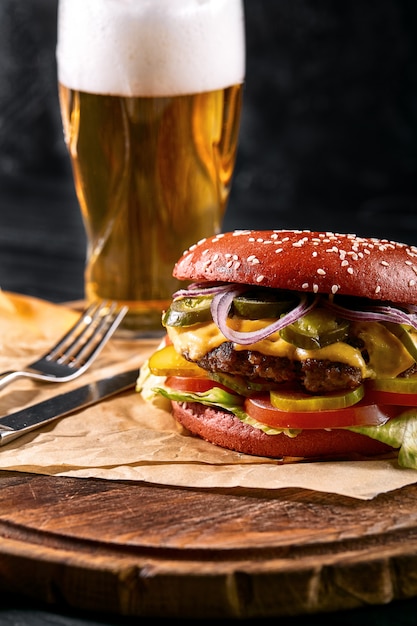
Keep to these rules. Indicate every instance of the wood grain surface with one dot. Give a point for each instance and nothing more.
(328, 141)
(143, 550)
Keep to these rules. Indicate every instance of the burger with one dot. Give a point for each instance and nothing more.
(293, 345)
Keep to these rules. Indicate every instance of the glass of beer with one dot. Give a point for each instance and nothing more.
(150, 94)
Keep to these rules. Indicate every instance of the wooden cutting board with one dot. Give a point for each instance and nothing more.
(144, 550)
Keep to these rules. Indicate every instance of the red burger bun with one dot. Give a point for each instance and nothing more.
(306, 261)
(303, 260)
(225, 430)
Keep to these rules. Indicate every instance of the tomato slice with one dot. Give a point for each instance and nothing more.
(394, 385)
(363, 413)
(392, 398)
(193, 384)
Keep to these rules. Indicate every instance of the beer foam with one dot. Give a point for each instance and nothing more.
(150, 47)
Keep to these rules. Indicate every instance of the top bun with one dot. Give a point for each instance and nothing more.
(303, 260)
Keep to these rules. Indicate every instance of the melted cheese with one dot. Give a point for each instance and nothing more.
(387, 355)
(196, 340)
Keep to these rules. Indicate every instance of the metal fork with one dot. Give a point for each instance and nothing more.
(76, 350)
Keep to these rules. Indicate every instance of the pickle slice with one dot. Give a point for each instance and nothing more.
(188, 311)
(240, 385)
(399, 385)
(263, 304)
(298, 401)
(167, 362)
(316, 329)
(406, 334)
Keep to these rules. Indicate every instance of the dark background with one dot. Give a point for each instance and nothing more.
(328, 137)
(328, 141)
(329, 134)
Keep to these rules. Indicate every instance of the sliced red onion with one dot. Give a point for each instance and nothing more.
(377, 313)
(222, 303)
(224, 293)
(201, 289)
(209, 285)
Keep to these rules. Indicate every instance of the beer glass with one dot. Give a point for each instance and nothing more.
(150, 94)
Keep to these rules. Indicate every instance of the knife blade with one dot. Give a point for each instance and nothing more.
(21, 422)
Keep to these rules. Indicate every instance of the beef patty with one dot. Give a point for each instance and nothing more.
(313, 375)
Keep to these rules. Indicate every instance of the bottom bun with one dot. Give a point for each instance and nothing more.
(227, 431)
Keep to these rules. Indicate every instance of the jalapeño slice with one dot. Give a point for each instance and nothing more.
(317, 329)
(188, 311)
(263, 304)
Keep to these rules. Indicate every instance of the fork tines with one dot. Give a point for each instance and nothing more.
(86, 337)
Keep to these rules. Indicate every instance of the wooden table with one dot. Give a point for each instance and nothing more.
(310, 156)
(145, 550)
(81, 546)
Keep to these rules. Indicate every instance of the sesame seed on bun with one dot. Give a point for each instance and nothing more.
(303, 260)
(320, 373)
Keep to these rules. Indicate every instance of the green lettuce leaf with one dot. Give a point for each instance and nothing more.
(399, 432)
(146, 385)
(219, 398)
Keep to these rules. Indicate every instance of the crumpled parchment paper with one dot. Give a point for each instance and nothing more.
(128, 439)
